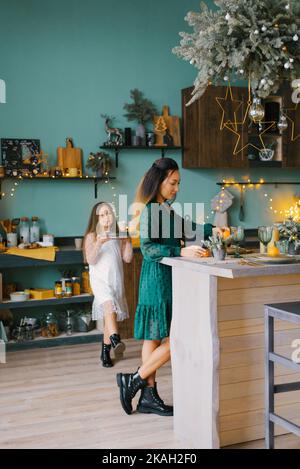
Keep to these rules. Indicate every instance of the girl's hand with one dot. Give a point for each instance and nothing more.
(103, 238)
(126, 240)
(193, 251)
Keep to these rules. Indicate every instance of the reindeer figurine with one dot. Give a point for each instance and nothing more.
(114, 134)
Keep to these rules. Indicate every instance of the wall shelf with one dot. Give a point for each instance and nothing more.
(83, 298)
(253, 183)
(118, 148)
(51, 178)
(264, 164)
(63, 339)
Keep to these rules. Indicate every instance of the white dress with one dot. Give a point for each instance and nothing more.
(107, 281)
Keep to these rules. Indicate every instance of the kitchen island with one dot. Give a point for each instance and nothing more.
(217, 348)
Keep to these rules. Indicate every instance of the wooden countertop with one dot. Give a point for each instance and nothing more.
(231, 268)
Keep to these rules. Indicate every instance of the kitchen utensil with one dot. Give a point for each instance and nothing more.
(242, 212)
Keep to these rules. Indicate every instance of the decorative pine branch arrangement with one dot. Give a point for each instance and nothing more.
(141, 110)
(257, 40)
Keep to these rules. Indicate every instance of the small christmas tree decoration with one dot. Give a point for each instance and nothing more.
(160, 125)
(167, 129)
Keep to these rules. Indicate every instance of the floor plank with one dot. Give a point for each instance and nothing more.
(63, 398)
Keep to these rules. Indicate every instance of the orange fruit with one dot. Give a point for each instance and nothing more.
(273, 251)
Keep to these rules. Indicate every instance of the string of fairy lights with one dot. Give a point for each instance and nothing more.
(293, 211)
(12, 191)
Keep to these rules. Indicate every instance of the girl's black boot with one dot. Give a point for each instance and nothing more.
(105, 356)
(118, 345)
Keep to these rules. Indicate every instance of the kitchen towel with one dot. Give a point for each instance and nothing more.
(45, 254)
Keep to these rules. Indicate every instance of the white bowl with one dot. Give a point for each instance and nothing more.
(19, 296)
(31, 321)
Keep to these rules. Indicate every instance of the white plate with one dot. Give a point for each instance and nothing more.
(264, 258)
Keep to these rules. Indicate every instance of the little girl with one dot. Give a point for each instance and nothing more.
(104, 252)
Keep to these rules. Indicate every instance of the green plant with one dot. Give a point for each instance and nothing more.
(290, 230)
(141, 110)
(100, 160)
(217, 242)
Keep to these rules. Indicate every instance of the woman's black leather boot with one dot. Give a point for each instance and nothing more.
(151, 403)
(105, 355)
(118, 345)
(129, 384)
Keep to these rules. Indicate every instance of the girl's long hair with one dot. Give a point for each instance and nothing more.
(94, 220)
(148, 187)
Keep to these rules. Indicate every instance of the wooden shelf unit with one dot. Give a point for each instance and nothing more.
(83, 298)
(118, 148)
(206, 146)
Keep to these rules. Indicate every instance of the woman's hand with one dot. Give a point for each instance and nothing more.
(193, 251)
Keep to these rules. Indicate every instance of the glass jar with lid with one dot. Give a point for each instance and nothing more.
(58, 291)
(51, 325)
(34, 230)
(24, 230)
(76, 285)
(68, 288)
(86, 285)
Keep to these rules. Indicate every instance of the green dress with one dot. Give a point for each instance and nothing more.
(154, 310)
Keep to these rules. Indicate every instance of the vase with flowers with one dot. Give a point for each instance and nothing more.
(100, 163)
(289, 230)
(217, 244)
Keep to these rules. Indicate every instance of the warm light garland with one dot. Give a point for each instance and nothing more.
(293, 211)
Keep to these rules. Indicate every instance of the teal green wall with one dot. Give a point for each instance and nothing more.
(67, 61)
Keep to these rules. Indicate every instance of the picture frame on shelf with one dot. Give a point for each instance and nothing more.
(16, 151)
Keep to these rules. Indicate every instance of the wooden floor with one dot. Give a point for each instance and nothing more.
(63, 398)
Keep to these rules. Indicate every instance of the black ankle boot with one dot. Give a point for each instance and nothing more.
(118, 345)
(151, 403)
(129, 385)
(105, 356)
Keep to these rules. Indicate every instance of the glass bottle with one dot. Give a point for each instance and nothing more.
(76, 285)
(69, 325)
(34, 230)
(86, 286)
(58, 292)
(24, 230)
(68, 288)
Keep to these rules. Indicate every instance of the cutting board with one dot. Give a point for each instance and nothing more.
(173, 126)
(69, 157)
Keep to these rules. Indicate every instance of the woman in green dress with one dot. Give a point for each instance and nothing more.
(160, 236)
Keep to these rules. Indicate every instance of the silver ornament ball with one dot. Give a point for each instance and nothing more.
(282, 123)
(256, 111)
